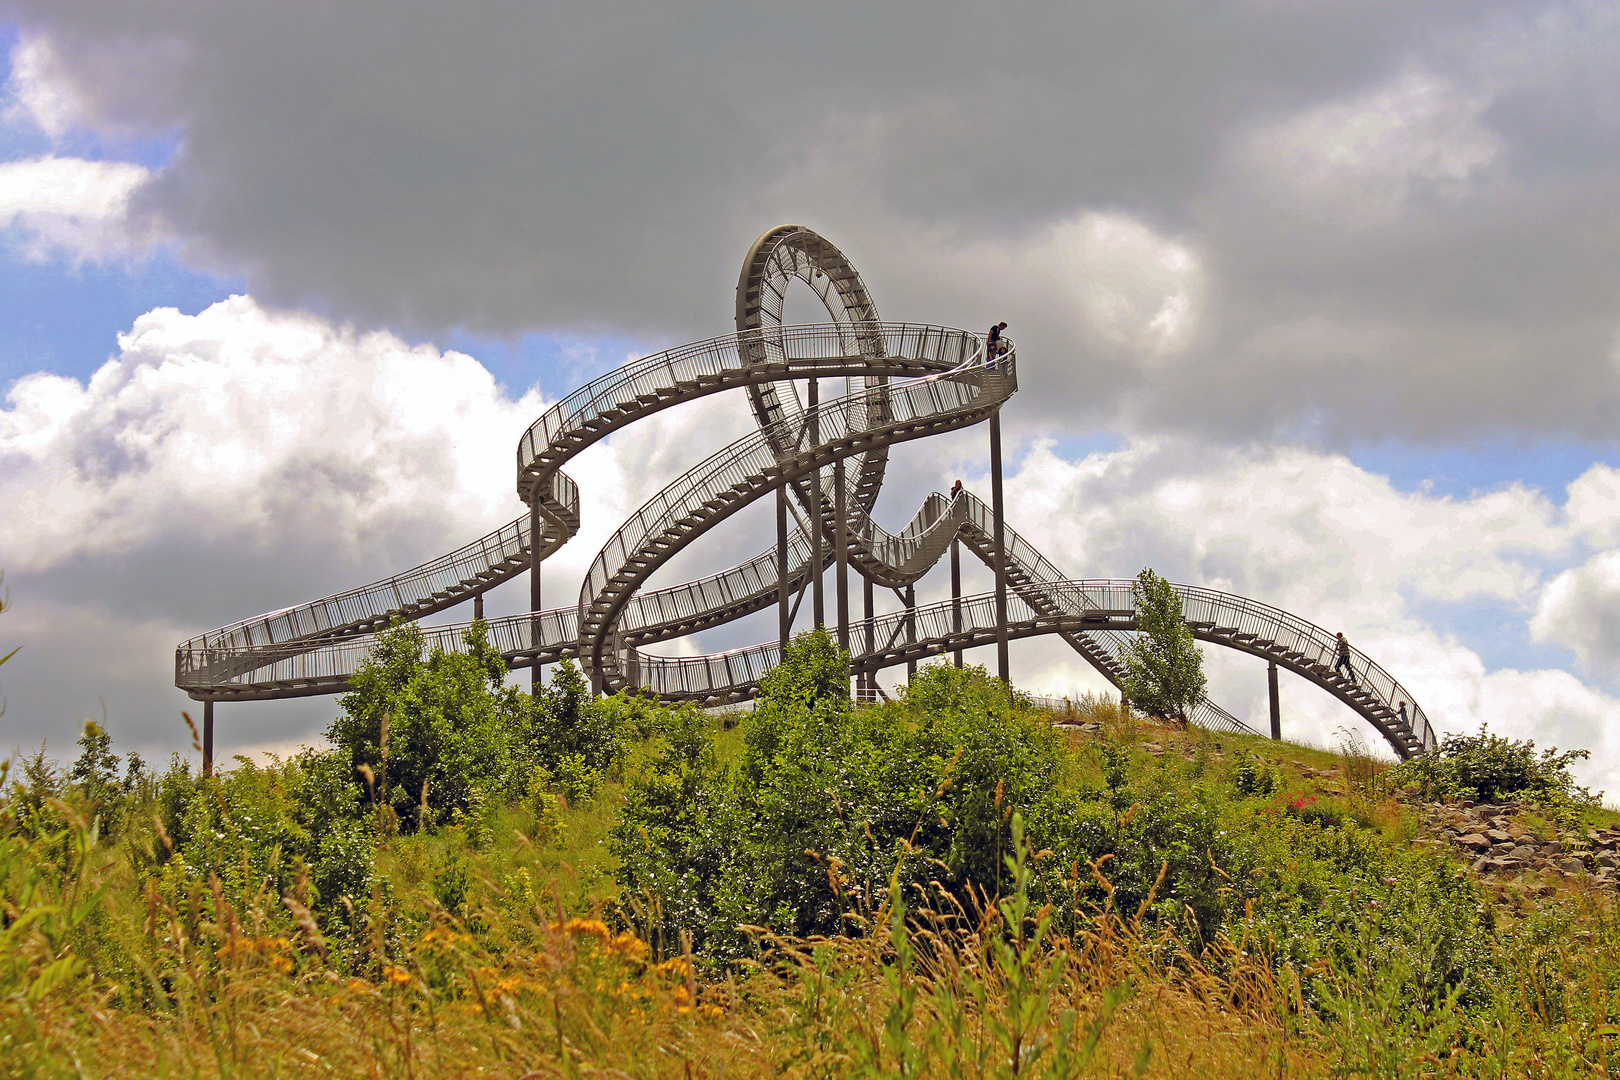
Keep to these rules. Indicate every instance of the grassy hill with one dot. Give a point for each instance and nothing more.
(477, 883)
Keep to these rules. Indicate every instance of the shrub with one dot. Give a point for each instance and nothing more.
(1310, 810)
(1491, 768)
(1254, 778)
(575, 779)
(830, 807)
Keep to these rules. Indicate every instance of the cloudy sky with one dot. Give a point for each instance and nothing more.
(1317, 302)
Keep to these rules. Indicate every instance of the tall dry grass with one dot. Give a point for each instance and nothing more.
(175, 980)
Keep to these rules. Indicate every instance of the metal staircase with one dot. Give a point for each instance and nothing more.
(913, 381)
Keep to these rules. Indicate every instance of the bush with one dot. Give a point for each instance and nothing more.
(1492, 768)
(1254, 778)
(830, 808)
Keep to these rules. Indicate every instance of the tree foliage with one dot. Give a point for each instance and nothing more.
(1164, 669)
(830, 806)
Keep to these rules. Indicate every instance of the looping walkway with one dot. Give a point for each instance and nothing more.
(914, 381)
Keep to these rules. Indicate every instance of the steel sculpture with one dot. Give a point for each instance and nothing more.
(824, 463)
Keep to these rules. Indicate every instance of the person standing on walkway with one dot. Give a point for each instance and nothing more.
(1400, 714)
(1342, 659)
(992, 345)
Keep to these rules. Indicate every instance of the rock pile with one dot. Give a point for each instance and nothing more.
(1496, 843)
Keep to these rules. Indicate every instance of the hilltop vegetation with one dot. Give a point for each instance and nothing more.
(473, 881)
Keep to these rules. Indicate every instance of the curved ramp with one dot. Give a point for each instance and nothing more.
(913, 381)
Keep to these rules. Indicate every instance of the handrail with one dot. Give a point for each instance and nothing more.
(945, 379)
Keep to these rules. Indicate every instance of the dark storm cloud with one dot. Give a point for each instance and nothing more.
(1434, 259)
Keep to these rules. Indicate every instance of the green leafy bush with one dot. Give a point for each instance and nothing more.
(1492, 768)
(829, 805)
(1254, 778)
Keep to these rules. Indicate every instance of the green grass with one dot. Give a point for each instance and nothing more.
(492, 944)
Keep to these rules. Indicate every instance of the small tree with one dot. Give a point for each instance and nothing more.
(1164, 671)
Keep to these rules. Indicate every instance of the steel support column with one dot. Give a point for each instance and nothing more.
(1276, 701)
(871, 638)
(784, 615)
(956, 594)
(841, 578)
(536, 682)
(478, 607)
(208, 738)
(818, 605)
(1000, 538)
(911, 629)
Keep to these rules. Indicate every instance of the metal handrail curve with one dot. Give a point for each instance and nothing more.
(947, 379)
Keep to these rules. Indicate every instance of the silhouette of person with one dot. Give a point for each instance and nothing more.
(993, 345)
(1342, 659)
(956, 489)
(1400, 714)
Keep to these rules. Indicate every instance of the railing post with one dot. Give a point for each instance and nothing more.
(1000, 538)
(956, 594)
(208, 738)
(784, 625)
(841, 579)
(1276, 702)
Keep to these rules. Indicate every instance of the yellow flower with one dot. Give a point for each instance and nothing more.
(580, 927)
(628, 946)
(396, 976)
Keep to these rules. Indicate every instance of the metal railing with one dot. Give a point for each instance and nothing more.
(494, 558)
(734, 360)
(1222, 618)
(947, 381)
(747, 467)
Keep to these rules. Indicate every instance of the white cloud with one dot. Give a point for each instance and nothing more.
(72, 207)
(41, 92)
(1361, 161)
(245, 425)
(1136, 288)
(1580, 610)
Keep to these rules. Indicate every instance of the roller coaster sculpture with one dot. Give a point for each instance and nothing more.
(824, 463)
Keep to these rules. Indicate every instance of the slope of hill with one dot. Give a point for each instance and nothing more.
(474, 882)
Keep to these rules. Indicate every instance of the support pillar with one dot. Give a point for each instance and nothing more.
(956, 595)
(535, 675)
(841, 579)
(1000, 537)
(1276, 701)
(911, 629)
(818, 604)
(784, 621)
(871, 633)
(478, 607)
(208, 738)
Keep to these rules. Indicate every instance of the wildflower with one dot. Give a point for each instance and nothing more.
(444, 936)
(396, 976)
(628, 946)
(580, 927)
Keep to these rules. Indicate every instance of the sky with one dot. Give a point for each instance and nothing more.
(1315, 302)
